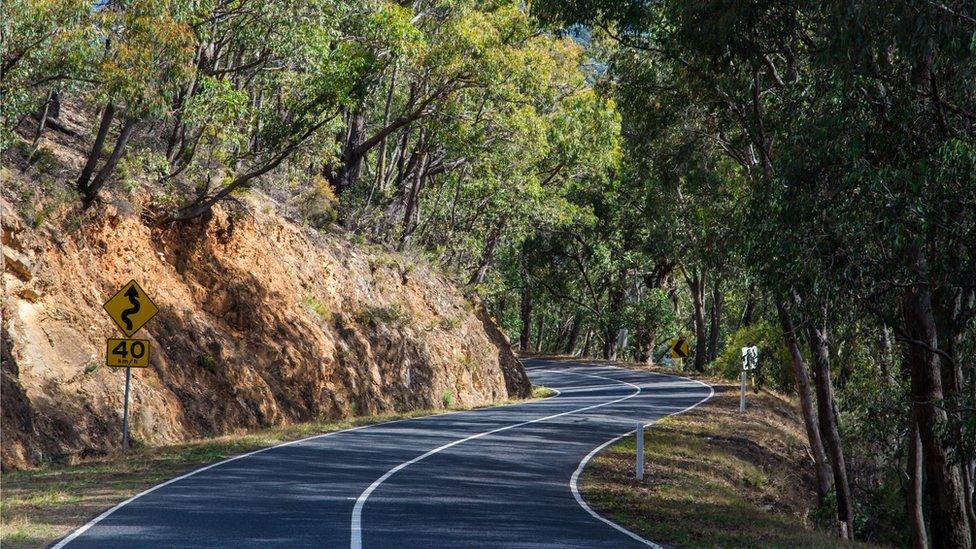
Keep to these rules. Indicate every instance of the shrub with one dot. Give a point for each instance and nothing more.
(207, 362)
(447, 398)
(394, 315)
(448, 324)
(319, 205)
(43, 160)
(774, 369)
(140, 164)
(318, 308)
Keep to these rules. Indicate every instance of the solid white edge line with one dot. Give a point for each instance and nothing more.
(573, 482)
(70, 537)
(356, 533)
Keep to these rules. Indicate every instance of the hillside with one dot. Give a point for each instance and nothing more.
(261, 322)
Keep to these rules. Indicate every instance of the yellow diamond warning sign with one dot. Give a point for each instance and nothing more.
(127, 353)
(679, 348)
(130, 308)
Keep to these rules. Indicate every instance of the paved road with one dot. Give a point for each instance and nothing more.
(493, 477)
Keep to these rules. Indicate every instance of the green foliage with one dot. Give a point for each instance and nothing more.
(43, 160)
(449, 324)
(42, 199)
(140, 165)
(875, 407)
(319, 308)
(391, 315)
(541, 391)
(447, 398)
(207, 362)
(775, 370)
(318, 206)
(148, 55)
(45, 42)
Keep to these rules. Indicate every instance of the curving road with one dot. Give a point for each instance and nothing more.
(492, 477)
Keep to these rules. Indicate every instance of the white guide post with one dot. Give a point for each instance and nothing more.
(750, 355)
(742, 394)
(640, 450)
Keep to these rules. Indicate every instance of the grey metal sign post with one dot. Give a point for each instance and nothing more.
(130, 308)
(640, 450)
(125, 411)
(750, 358)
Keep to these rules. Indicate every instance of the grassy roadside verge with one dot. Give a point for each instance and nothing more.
(714, 477)
(44, 504)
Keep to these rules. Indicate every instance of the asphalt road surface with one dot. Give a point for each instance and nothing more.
(494, 477)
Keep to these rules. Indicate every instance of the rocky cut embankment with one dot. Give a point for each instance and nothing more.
(261, 322)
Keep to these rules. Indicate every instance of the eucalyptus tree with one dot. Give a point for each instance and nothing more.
(300, 65)
(47, 45)
(852, 126)
(474, 139)
(147, 51)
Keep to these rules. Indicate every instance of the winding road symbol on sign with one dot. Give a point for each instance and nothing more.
(133, 296)
(130, 308)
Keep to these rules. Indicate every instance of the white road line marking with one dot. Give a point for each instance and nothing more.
(99, 518)
(356, 533)
(573, 482)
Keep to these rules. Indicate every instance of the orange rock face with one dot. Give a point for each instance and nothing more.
(261, 322)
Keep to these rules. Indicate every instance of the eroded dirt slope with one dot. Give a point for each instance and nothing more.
(261, 322)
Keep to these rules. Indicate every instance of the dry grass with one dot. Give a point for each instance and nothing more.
(44, 504)
(715, 477)
(538, 391)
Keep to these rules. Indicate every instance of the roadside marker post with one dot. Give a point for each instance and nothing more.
(640, 450)
(130, 308)
(742, 394)
(750, 357)
(125, 411)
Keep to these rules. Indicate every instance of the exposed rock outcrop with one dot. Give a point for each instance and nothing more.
(261, 322)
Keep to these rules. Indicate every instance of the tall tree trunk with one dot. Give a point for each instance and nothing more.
(645, 339)
(103, 174)
(696, 283)
(45, 111)
(615, 302)
(947, 310)
(540, 327)
(381, 155)
(587, 343)
(96, 152)
(574, 335)
(827, 414)
(749, 308)
(561, 331)
(887, 358)
(620, 344)
(487, 256)
(948, 516)
(913, 497)
(352, 158)
(608, 341)
(716, 314)
(410, 209)
(525, 334)
(525, 307)
(820, 461)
